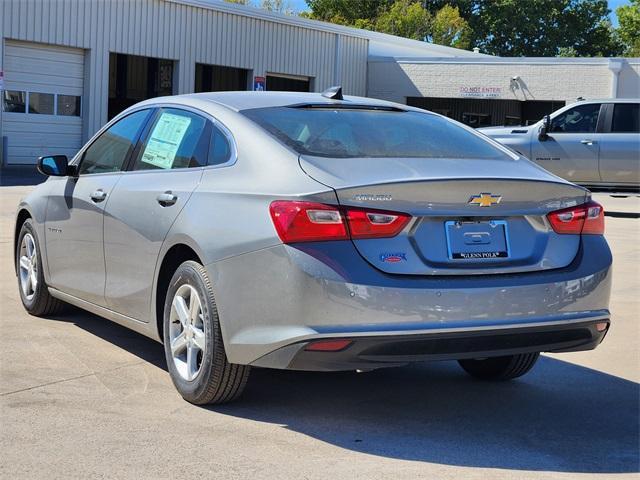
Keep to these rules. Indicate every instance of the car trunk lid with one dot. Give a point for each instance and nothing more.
(470, 216)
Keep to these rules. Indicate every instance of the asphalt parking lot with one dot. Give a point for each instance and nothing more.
(81, 397)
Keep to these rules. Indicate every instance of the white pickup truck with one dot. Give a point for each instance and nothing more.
(593, 143)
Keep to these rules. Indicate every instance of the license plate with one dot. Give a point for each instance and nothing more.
(477, 240)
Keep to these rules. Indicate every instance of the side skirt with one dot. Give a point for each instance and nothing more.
(142, 328)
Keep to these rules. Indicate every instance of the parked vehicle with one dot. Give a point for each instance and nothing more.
(594, 143)
(314, 232)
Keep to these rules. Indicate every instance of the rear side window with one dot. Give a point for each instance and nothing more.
(626, 118)
(177, 139)
(219, 148)
(364, 132)
(110, 150)
(579, 119)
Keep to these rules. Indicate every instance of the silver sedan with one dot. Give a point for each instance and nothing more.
(314, 232)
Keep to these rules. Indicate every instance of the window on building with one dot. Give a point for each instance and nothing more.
(476, 120)
(134, 78)
(626, 118)
(288, 83)
(42, 103)
(110, 150)
(14, 101)
(216, 78)
(178, 139)
(579, 119)
(68, 105)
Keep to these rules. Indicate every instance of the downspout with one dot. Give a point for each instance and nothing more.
(615, 65)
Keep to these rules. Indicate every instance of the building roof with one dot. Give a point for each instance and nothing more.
(379, 43)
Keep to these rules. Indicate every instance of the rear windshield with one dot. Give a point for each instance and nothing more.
(358, 132)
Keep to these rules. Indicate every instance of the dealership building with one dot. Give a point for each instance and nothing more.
(68, 66)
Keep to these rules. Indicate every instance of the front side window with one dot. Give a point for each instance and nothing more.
(580, 119)
(368, 132)
(14, 101)
(41, 103)
(626, 118)
(176, 140)
(110, 150)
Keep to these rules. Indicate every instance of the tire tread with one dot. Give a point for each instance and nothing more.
(500, 368)
(227, 380)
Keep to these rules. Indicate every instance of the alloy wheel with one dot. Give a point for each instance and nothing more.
(187, 332)
(28, 266)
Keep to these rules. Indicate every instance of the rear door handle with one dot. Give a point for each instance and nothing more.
(98, 196)
(167, 199)
(586, 141)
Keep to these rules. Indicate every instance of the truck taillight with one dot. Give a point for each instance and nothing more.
(585, 219)
(312, 222)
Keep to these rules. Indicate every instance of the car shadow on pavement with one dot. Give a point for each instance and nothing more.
(560, 417)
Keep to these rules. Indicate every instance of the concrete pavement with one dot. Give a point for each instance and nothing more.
(81, 397)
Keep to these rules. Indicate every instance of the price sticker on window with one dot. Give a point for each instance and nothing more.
(165, 140)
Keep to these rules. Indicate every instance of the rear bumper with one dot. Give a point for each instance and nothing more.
(372, 352)
(274, 301)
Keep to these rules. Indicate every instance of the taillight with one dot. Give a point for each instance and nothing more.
(311, 222)
(585, 219)
(375, 223)
(307, 222)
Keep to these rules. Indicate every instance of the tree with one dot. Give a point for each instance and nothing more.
(629, 28)
(543, 27)
(499, 27)
(405, 19)
(278, 6)
(450, 29)
(348, 11)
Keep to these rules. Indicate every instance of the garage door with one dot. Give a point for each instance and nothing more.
(42, 101)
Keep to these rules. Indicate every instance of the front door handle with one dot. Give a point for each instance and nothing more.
(167, 199)
(98, 196)
(587, 141)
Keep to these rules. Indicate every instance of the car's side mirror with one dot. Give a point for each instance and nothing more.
(55, 166)
(545, 128)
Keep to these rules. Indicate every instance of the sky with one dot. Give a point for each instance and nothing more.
(613, 4)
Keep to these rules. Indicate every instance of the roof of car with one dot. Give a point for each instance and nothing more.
(609, 100)
(247, 100)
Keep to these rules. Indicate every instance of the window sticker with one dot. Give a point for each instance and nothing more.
(165, 140)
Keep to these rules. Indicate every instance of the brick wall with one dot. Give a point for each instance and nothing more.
(552, 81)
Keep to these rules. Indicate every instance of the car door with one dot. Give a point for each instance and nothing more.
(572, 146)
(74, 222)
(163, 173)
(620, 145)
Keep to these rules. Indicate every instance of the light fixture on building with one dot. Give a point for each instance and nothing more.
(514, 83)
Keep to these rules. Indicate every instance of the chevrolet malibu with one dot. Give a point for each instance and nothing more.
(314, 232)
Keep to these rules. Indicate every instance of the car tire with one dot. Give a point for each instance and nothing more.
(194, 349)
(36, 299)
(500, 368)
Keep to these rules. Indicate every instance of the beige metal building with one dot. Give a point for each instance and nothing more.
(483, 90)
(70, 65)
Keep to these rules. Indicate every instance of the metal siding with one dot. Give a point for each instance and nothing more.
(187, 34)
(41, 68)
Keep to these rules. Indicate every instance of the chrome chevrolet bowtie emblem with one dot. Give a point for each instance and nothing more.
(485, 199)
